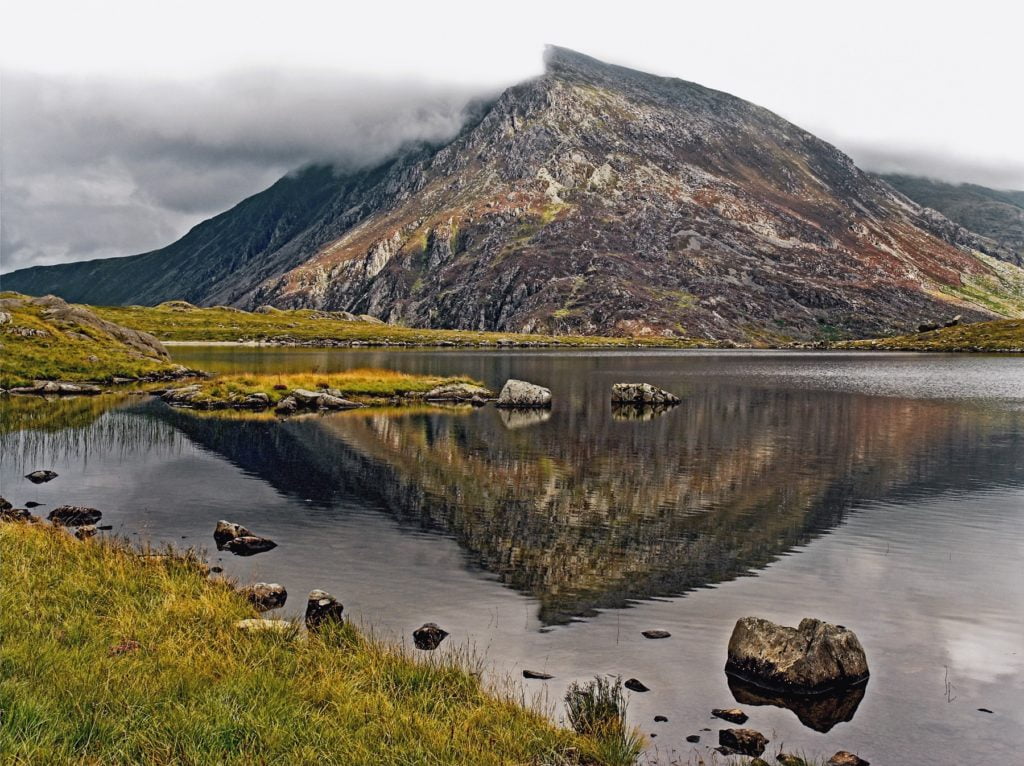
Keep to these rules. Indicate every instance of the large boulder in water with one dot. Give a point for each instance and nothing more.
(225, 531)
(641, 393)
(519, 393)
(812, 658)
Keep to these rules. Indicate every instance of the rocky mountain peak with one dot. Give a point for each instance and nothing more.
(592, 199)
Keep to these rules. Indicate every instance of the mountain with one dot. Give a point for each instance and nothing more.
(591, 199)
(996, 214)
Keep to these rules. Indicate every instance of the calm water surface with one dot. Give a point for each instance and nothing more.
(882, 492)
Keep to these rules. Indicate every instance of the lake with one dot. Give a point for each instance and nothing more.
(884, 492)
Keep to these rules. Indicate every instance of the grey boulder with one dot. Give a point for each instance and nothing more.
(519, 393)
(225, 531)
(641, 393)
(265, 595)
(812, 658)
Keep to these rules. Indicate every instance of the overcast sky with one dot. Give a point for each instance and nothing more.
(126, 123)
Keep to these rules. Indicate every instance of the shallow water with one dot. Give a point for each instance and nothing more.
(882, 492)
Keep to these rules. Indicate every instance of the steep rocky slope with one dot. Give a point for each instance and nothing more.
(993, 213)
(593, 199)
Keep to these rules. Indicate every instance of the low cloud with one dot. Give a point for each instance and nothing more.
(950, 168)
(104, 167)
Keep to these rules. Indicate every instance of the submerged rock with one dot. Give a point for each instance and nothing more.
(732, 715)
(41, 477)
(265, 595)
(226, 531)
(519, 393)
(641, 393)
(74, 516)
(536, 675)
(249, 545)
(743, 741)
(845, 758)
(429, 636)
(812, 658)
(321, 608)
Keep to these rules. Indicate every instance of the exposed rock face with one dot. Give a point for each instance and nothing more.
(641, 393)
(520, 394)
(322, 608)
(41, 477)
(265, 595)
(743, 741)
(429, 636)
(226, 531)
(591, 199)
(74, 515)
(812, 658)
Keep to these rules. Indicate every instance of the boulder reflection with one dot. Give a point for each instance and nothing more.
(820, 712)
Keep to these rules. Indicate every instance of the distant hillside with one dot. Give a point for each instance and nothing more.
(998, 215)
(998, 335)
(592, 200)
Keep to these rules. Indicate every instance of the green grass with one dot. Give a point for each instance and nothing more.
(224, 324)
(997, 335)
(49, 351)
(198, 691)
(358, 384)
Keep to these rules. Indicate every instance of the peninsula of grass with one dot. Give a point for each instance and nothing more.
(48, 339)
(107, 658)
(1000, 335)
(363, 385)
(178, 321)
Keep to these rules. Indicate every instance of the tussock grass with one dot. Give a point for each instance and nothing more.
(197, 691)
(358, 384)
(597, 711)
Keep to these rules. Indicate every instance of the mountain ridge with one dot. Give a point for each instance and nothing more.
(592, 199)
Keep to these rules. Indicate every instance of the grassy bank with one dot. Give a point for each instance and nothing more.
(179, 321)
(998, 335)
(46, 339)
(361, 385)
(197, 691)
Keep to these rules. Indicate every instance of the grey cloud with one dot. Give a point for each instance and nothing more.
(950, 168)
(104, 167)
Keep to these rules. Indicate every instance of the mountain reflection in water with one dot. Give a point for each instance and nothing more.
(585, 511)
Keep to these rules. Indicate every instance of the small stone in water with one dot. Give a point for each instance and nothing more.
(660, 719)
(656, 634)
(635, 686)
(693, 738)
